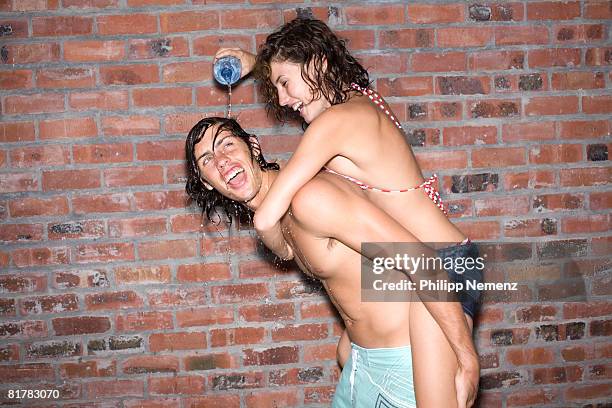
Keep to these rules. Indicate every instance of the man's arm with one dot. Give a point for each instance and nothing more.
(336, 211)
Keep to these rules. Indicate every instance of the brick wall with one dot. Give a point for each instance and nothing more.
(113, 293)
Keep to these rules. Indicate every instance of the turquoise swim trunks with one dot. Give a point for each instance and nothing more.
(376, 378)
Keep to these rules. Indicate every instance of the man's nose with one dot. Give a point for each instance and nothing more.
(221, 160)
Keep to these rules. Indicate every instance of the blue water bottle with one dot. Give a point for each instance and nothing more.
(227, 70)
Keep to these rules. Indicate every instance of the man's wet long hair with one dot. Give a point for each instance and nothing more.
(211, 201)
(309, 41)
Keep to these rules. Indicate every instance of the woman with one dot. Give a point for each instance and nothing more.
(305, 70)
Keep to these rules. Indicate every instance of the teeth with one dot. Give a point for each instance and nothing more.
(297, 106)
(233, 174)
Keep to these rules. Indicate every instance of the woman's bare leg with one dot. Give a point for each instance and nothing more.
(434, 362)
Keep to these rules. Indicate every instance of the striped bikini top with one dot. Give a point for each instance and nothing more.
(428, 186)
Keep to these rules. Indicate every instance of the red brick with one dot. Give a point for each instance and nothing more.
(442, 160)
(87, 4)
(259, 269)
(187, 72)
(152, 97)
(405, 86)
(583, 129)
(204, 316)
(587, 392)
(554, 57)
(16, 132)
(127, 275)
(255, 118)
(300, 332)
(236, 336)
(111, 100)
(375, 15)
(181, 123)
(573, 310)
(585, 176)
(182, 297)
(216, 96)
(209, 44)
(102, 203)
(320, 353)
(7, 308)
(496, 60)
(176, 341)
(598, 10)
(263, 313)
(50, 155)
(578, 80)
(223, 246)
(239, 293)
(438, 61)
(319, 395)
(496, 157)
(159, 200)
(61, 26)
(479, 229)
(430, 13)
(70, 179)
(600, 201)
(15, 79)
(156, 48)
(102, 153)
(130, 125)
(9, 352)
(188, 21)
(143, 3)
(272, 399)
(136, 227)
(550, 10)
(23, 283)
(249, 19)
(19, 27)
(21, 232)
(547, 153)
(150, 364)
(529, 398)
(586, 224)
(115, 388)
(104, 252)
(462, 85)
(181, 248)
(383, 63)
(464, 37)
(97, 368)
(203, 272)
(31, 207)
(68, 128)
(35, 5)
(528, 131)
(27, 372)
(140, 321)
(579, 34)
(530, 228)
(76, 229)
(598, 56)
(32, 53)
(513, 205)
(556, 202)
(176, 385)
(271, 356)
(133, 176)
(40, 256)
(93, 51)
(16, 182)
(129, 74)
(226, 401)
(127, 24)
(49, 304)
(530, 356)
(66, 78)
(552, 105)
(510, 35)
(67, 326)
(597, 104)
(470, 135)
(494, 108)
(406, 38)
(35, 103)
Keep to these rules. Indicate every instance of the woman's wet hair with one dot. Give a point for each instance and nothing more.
(309, 42)
(211, 201)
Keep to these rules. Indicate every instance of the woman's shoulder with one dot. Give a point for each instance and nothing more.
(356, 112)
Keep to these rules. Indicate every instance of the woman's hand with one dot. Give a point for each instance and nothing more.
(247, 60)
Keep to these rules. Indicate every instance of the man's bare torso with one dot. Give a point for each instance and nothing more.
(338, 267)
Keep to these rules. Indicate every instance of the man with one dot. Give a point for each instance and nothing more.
(227, 170)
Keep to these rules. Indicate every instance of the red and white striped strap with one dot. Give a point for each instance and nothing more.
(378, 101)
